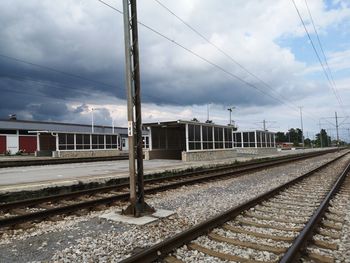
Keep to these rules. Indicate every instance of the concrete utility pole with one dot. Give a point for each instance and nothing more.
(137, 206)
(337, 126)
(302, 128)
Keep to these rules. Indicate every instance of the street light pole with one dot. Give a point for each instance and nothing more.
(230, 110)
(92, 120)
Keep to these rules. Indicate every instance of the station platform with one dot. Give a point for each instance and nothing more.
(32, 178)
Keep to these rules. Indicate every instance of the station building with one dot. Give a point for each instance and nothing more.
(194, 141)
(62, 139)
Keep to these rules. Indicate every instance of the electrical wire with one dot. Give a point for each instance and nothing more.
(205, 60)
(210, 62)
(324, 56)
(318, 56)
(230, 57)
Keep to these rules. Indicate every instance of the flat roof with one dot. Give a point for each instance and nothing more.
(180, 122)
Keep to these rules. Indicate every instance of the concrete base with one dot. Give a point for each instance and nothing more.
(86, 153)
(118, 217)
(255, 151)
(208, 155)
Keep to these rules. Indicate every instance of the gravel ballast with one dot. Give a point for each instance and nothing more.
(92, 239)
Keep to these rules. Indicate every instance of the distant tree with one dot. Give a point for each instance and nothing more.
(322, 136)
(307, 142)
(281, 137)
(294, 136)
(195, 119)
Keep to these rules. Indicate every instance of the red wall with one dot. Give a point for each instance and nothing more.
(2, 144)
(27, 143)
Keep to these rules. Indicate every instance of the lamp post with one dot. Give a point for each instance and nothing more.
(92, 120)
(230, 110)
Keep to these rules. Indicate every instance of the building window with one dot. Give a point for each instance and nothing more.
(79, 141)
(258, 139)
(145, 142)
(245, 139)
(237, 139)
(111, 142)
(228, 138)
(207, 133)
(65, 141)
(251, 139)
(98, 142)
(194, 137)
(219, 138)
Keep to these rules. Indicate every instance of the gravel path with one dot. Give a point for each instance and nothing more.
(91, 239)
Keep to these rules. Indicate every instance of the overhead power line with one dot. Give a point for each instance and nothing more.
(230, 57)
(204, 59)
(294, 108)
(318, 56)
(324, 56)
(55, 70)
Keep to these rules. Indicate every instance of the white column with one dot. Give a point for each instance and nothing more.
(38, 141)
(201, 126)
(150, 139)
(104, 142)
(90, 141)
(232, 139)
(75, 141)
(57, 142)
(213, 131)
(242, 146)
(265, 139)
(256, 141)
(187, 145)
(223, 138)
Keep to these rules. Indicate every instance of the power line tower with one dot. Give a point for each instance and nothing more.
(137, 206)
(337, 127)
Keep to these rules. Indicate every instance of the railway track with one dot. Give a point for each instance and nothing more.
(15, 213)
(20, 163)
(297, 219)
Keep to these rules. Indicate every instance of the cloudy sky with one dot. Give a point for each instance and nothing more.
(60, 59)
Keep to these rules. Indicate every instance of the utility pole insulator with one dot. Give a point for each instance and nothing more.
(138, 206)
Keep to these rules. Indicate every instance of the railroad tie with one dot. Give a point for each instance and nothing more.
(257, 234)
(256, 224)
(320, 258)
(172, 259)
(276, 219)
(247, 244)
(223, 256)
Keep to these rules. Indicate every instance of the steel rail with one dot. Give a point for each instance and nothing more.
(294, 251)
(163, 248)
(237, 169)
(39, 215)
(21, 163)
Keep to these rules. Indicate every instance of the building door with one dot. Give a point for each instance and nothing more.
(125, 144)
(47, 142)
(2, 144)
(12, 143)
(27, 143)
